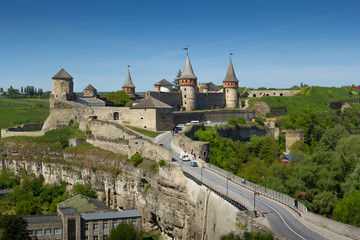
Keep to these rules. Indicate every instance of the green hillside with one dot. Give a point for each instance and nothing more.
(314, 97)
(17, 111)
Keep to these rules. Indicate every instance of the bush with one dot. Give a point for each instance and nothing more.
(162, 163)
(136, 159)
(85, 189)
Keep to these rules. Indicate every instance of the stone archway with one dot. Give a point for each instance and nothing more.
(281, 94)
(116, 115)
(254, 95)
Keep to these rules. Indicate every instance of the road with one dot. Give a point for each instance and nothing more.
(280, 218)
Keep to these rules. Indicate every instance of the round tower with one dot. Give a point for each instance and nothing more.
(128, 86)
(63, 86)
(187, 83)
(157, 87)
(230, 85)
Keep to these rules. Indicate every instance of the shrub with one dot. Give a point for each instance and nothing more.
(136, 159)
(162, 163)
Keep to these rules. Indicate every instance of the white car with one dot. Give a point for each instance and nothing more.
(184, 156)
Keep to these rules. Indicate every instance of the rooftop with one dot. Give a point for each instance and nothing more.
(90, 87)
(110, 215)
(165, 82)
(62, 74)
(84, 204)
(42, 218)
(150, 103)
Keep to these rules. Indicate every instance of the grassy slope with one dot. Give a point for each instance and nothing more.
(17, 111)
(315, 97)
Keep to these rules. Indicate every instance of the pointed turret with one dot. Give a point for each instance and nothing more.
(187, 83)
(188, 72)
(128, 86)
(62, 74)
(230, 75)
(230, 85)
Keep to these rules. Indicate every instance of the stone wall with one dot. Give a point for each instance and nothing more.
(262, 108)
(144, 118)
(60, 117)
(335, 226)
(272, 93)
(213, 116)
(242, 133)
(149, 149)
(109, 130)
(164, 119)
(291, 136)
(208, 100)
(170, 98)
(22, 130)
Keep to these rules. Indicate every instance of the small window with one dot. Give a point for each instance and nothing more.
(114, 225)
(96, 237)
(86, 227)
(96, 226)
(30, 233)
(47, 231)
(38, 232)
(184, 96)
(105, 237)
(184, 89)
(58, 230)
(144, 126)
(105, 226)
(133, 223)
(141, 118)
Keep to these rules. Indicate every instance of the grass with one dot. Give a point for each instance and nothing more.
(15, 112)
(145, 132)
(314, 97)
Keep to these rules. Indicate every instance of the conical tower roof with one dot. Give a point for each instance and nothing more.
(62, 74)
(230, 75)
(188, 72)
(128, 82)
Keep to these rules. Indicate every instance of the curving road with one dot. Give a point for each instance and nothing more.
(281, 219)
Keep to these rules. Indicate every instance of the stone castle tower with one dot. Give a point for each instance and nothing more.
(63, 86)
(187, 83)
(230, 85)
(128, 86)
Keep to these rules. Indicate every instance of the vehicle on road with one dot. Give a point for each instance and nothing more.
(194, 122)
(184, 156)
(193, 164)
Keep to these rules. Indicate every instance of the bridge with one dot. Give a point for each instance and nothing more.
(277, 208)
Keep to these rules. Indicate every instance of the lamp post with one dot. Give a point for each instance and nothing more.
(263, 177)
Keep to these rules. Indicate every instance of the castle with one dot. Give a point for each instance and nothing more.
(188, 98)
(155, 110)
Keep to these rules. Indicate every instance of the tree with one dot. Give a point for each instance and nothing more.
(13, 227)
(125, 231)
(8, 179)
(85, 189)
(324, 203)
(347, 210)
(12, 91)
(176, 86)
(136, 159)
(27, 207)
(119, 98)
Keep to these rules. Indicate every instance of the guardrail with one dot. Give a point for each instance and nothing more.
(222, 190)
(285, 199)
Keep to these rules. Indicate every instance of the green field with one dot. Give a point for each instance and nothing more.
(18, 111)
(314, 97)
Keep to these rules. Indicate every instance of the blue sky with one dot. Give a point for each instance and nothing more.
(275, 43)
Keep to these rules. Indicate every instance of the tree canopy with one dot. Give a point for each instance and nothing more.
(118, 98)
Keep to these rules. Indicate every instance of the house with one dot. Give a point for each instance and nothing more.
(79, 218)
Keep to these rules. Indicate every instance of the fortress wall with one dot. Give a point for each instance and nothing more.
(108, 130)
(149, 149)
(143, 118)
(291, 136)
(272, 93)
(241, 133)
(60, 117)
(171, 98)
(164, 119)
(206, 100)
(201, 149)
(213, 116)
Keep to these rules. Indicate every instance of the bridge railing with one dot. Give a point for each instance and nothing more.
(256, 187)
(226, 192)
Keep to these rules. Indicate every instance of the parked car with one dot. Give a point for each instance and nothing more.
(184, 156)
(193, 164)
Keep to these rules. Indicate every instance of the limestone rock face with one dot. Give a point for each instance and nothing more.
(169, 202)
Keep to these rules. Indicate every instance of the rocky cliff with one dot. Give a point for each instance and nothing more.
(168, 201)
